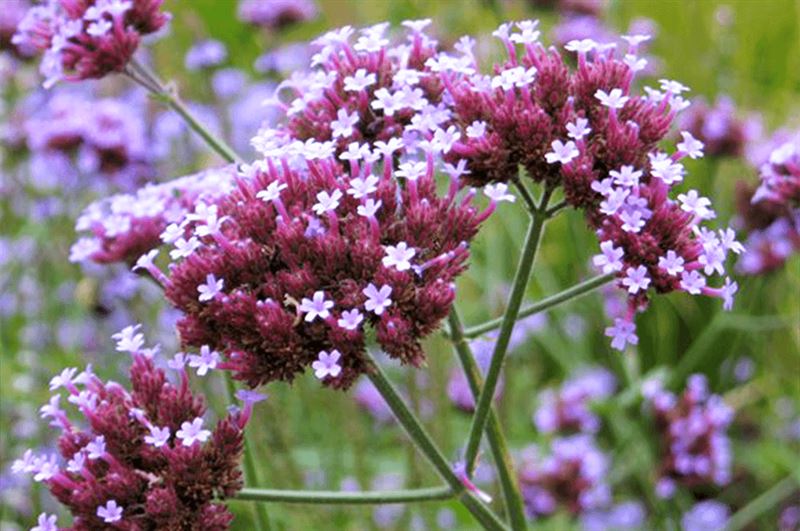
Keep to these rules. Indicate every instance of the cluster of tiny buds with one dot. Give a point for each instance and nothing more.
(693, 428)
(131, 465)
(87, 39)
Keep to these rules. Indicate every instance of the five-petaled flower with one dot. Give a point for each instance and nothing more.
(110, 512)
(192, 432)
(327, 364)
(399, 256)
(315, 307)
(210, 289)
(377, 299)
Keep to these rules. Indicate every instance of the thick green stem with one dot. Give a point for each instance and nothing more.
(346, 498)
(509, 318)
(497, 441)
(169, 95)
(568, 294)
(250, 471)
(425, 444)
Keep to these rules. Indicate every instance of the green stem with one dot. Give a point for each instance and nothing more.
(509, 318)
(346, 498)
(545, 304)
(552, 211)
(779, 492)
(250, 472)
(497, 441)
(425, 444)
(169, 95)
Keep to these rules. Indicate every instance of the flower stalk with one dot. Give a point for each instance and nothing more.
(497, 441)
(521, 277)
(346, 498)
(425, 444)
(573, 292)
(168, 94)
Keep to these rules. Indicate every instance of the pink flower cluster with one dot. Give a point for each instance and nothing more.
(276, 14)
(87, 39)
(143, 458)
(770, 214)
(571, 477)
(290, 268)
(124, 227)
(719, 128)
(696, 448)
(568, 408)
(588, 132)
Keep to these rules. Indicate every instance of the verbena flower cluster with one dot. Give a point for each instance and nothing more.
(723, 133)
(770, 214)
(340, 226)
(572, 477)
(588, 132)
(276, 14)
(107, 138)
(693, 429)
(568, 409)
(143, 458)
(87, 39)
(288, 270)
(125, 227)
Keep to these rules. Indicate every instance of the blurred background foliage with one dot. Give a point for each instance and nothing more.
(309, 436)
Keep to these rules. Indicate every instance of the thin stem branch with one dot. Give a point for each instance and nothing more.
(525, 194)
(346, 498)
(497, 441)
(509, 318)
(568, 294)
(169, 95)
(552, 211)
(250, 472)
(416, 431)
(763, 503)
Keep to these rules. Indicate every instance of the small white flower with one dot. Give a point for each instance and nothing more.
(210, 289)
(315, 307)
(613, 99)
(327, 364)
(377, 300)
(272, 192)
(191, 432)
(327, 202)
(498, 192)
(562, 152)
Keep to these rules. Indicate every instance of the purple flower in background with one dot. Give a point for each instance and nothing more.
(708, 515)
(719, 128)
(693, 430)
(572, 477)
(205, 54)
(276, 14)
(567, 409)
(626, 516)
(367, 396)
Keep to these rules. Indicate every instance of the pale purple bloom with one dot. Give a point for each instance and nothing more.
(128, 340)
(579, 129)
(611, 259)
(272, 192)
(344, 124)
(369, 208)
(192, 432)
(708, 515)
(205, 361)
(158, 436)
(96, 448)
(398, 256)
(613, 99)
(316, 307)
(327, 364)
(210, 289)
(350, 319)
(64, 379)
(562, 152)
(692, 282)
(46, 523)
(636, 279)
(327, 202)
(699, 206)
(498, 192)
(690, 145)
(622, 333)
(377, 300)
(359, 80)
(626, 176)
(672, 263)
(110, 512)
(360, 188)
